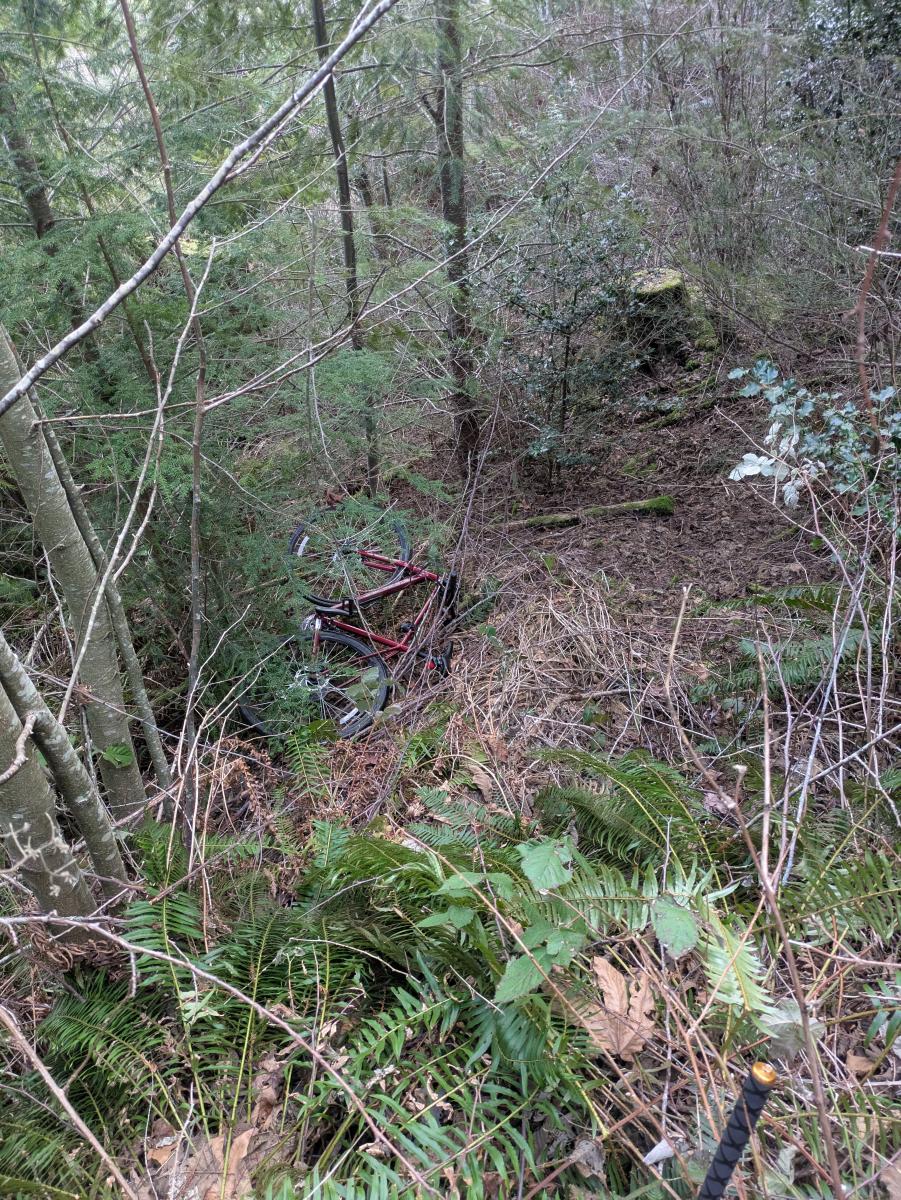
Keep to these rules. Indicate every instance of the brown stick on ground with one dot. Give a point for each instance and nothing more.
(861, 307)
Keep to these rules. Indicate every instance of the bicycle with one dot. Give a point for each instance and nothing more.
(335, 669)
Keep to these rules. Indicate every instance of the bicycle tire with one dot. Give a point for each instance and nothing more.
(336, 552)
(307, 695)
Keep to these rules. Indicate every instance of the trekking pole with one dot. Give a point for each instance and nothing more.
(757, 1086)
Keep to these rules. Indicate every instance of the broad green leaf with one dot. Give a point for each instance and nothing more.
(675, 926)
(546, 864)
(119, 755)
(460, 884)
(521, 976)
(457, 915)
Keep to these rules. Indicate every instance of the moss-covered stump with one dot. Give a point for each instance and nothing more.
(668, 315)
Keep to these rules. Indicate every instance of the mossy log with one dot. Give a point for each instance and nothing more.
(664, 505)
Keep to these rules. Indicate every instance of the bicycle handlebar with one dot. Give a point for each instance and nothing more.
(760, 1081)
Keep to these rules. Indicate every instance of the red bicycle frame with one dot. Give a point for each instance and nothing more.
(336, 617)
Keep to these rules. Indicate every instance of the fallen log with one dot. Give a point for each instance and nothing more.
(664, 505)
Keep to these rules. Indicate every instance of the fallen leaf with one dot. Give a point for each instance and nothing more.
(859, 1064)
(589, 1158)
(718, 802)
(890, 1178)
(497, 747)
(160, 1155)
(482, 781)
(622, 1023)
(237, 1179)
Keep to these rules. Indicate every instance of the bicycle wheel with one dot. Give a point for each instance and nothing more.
(344, 681)
(346, 550)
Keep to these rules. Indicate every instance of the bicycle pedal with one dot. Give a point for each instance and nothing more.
(441, 662)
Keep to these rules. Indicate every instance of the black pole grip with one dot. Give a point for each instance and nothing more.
(754, 1091)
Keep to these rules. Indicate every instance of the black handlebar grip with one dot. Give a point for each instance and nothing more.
(757, 1086)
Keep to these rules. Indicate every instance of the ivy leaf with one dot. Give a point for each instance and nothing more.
(737, 373)
(546, 864)
(675, 926)
(750, 389)
(118, 755)
(521, 976)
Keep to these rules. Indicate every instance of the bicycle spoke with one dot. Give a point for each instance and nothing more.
(330, 556)
(340, 683)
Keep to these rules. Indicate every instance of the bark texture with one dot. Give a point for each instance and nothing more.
(72, 780)
(448, 115)
(35, 848)
(118, 616)
(70, 559)
(348, 245)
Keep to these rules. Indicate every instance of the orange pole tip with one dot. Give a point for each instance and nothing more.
(764, 1074)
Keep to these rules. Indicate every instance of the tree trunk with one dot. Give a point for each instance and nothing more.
(28, 177)
(351, 278)
(56, 528)
(448, 114)
(42, 218)
(35, 847)
(72, 780)
(118, 616)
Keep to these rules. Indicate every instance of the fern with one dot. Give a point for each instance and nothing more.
(109, 1044)
(637, 809)
(733, 967)
(799, 664)
(845, 895)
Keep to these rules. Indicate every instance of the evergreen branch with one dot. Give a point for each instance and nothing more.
(287, 109)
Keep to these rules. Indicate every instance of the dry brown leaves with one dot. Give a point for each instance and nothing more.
(623, 1022)
(220, 1167)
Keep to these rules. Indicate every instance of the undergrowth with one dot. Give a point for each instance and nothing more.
(448, 971)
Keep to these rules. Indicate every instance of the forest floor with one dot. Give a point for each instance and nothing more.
(570, 644)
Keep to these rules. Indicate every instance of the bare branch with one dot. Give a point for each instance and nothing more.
(21, 753)
(295, 101)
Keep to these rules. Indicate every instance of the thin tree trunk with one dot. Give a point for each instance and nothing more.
(43, 218)
(28, 177)
(32, 465)
(72, 780)
(448, 115)
(90, 208)
(197, 605)
(33, 190)
(351, 278)
(118, 616)
(35, 847)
